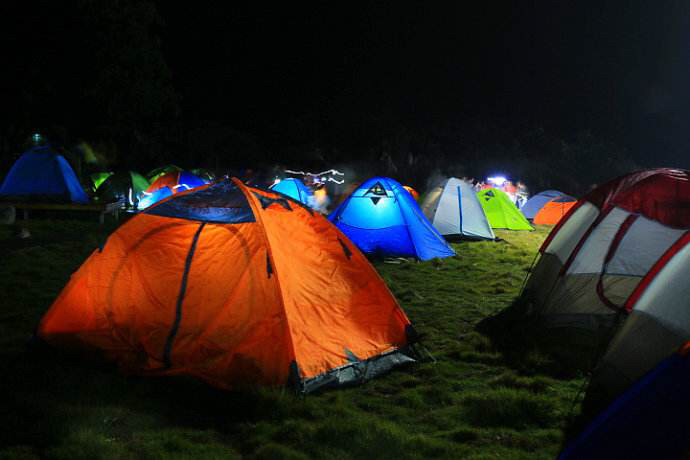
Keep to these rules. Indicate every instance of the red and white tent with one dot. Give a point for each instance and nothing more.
(616, 271)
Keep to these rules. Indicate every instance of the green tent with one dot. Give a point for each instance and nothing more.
(98, 178)
(123, 185)
(158, 172)
(501, 212)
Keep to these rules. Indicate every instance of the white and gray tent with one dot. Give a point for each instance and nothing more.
(453, 208)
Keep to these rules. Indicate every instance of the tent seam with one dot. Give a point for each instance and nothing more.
(260, 221)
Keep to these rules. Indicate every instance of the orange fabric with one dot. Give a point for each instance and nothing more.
(166, 180)
(552, 212)
(412, 192)
(238, 324)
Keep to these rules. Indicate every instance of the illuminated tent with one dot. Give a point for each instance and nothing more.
(235, 286)
(204, 174)
(41, 174)
(536, 202)
(168, 184)
(412, 192)
(98, 178)
(614, 272)
(381, 218)
(453, 208)
(295, 188)
(123, 185)
(158, 172)
(554, 210)
(500, 210)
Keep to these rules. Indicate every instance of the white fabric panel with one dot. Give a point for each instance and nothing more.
(570, 233)
(474, 221)
(644, 242)
(459, 195)
(591, 256)
(447, 217)
(667, 298)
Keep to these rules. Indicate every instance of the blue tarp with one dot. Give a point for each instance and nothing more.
(294, 188)
(649, 420)
(41, 174)
(382, 218)
(536, 202)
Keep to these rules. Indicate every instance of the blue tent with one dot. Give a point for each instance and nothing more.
(147, 199)
(168, 184)
(294, 188)
(536, 202)
(41, 174)
(382, 218)
(649, 420)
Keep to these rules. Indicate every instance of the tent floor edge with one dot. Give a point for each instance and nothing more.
(358, 372)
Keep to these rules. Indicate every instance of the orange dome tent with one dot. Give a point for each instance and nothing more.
(412, 192)
(554, 209)
(233, 285)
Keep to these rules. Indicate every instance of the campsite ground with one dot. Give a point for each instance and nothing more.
(474, 401)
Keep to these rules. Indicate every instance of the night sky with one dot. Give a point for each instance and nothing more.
(621, 69)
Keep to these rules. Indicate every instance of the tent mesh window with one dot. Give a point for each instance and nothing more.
(377, 189)
(222, 203)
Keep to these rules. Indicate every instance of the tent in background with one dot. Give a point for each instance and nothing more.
(204, 174)
(381, 218)
(41, 174)
(154, 174)
(536, 202)
(453, 208)
(98, 178)
(169, 184)
(554, 210)
(236, 286)
(295, 188)
(500, 210)
(123, 185)
(412, 192)
(613, 272)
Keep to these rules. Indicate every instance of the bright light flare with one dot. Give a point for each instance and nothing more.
(497, 180)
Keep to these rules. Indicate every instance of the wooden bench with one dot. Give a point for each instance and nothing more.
(101, 208)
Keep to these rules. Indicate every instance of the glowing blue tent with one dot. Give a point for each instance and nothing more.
(536, 202)
(382, 218)
(41, 174)
(295, 188)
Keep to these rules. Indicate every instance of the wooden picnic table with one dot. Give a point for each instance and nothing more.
(101, 208)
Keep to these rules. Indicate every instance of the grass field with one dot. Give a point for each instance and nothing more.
(473, 402)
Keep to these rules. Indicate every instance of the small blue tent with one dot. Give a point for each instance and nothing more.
(649, 420)
(41, 174)
(382, 218)
(536, 202)
(294, 188)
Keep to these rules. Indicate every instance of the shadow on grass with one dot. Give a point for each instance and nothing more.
(532, 349)
(528, 347)
(48, 395)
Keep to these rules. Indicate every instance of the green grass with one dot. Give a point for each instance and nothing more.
(475, 401)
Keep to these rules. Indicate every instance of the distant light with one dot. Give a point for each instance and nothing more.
(36, 138)
(496, 180)
(277, 181)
